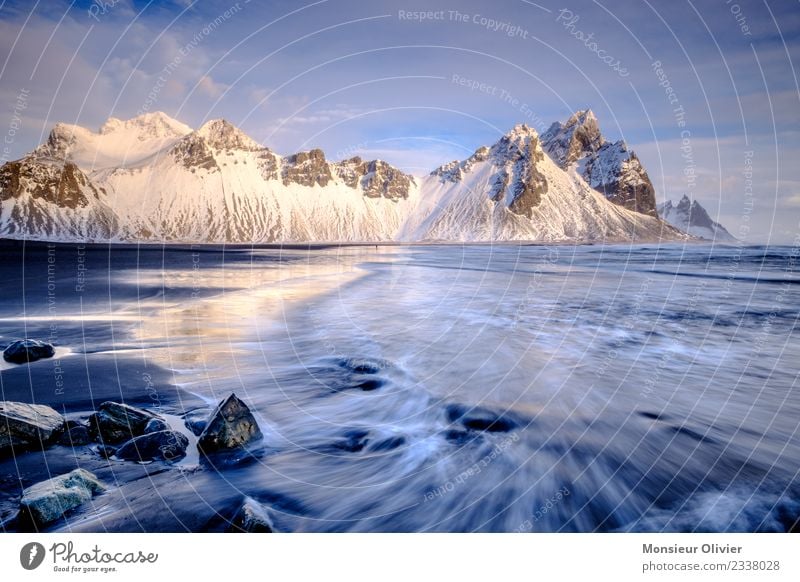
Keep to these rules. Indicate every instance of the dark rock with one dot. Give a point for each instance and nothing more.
(653, 415)
(25, 425)
(377, 178)
(388, 444)
(75, 434)
(461, 437)
(369, 385)
(49, 500)
(155, 425)
(231, 426)
(115, 423)
(105, 451)
(252, 517)
(51, 182)
(692, 434)
(165, 445)
(196, 421)
(307, 169)
(354, 441)
(480, 419)
(27, 350)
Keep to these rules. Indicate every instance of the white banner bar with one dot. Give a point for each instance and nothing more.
(402, 557)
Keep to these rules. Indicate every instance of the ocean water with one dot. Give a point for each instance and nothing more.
(427, 388)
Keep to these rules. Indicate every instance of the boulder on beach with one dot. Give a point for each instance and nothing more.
(47, 501)
(116, 423)
(231, 426)
(75, 434)
(252, 517)
(165, 445)
(27, 350)
(24, 425)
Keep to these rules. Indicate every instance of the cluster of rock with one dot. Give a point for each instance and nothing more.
(122, 432)
(63, 184)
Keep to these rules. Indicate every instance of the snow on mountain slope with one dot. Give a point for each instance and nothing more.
(154, 179)
(512, 191)
(610, 168)
(117, 144)
(218, 185)
(689, 216)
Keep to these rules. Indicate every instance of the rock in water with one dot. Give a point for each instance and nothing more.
(27, 350)
(49, 500)
(105, 451)
(196, 421)
(165, 445)
(231, 426)
(74, 435)
(115, 423)
(27, 424)
(155, 425)
(252, 517)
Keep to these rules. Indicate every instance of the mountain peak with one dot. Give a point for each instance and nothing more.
(581, 117)
(521, 130)
(522, 141)
(570, 141)
(690, 216)
(155, 125)
(222, 134)
(610, 168)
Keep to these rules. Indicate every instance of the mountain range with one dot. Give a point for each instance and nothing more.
(154, 179)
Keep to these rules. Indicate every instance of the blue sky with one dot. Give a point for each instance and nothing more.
(372, 79)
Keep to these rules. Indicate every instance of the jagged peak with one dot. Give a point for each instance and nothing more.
(521, 141)
(569, 141)
(581, 117)
(686, 204)
(222, 134)
(522, 130)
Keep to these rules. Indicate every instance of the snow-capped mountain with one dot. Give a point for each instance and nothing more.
(152, 178)
(610, 168)
(689, 216)
(513, 191)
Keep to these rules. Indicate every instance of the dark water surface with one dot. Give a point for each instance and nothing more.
(426, 388)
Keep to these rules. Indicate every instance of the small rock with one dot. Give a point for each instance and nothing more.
(105, 451)
(231, 426)
(481, 419)
(155, 425)
(165, 445)
(27, 424)
(74, 435)
(49, 500)
(27, 350)
(115, 423)
(252, 517)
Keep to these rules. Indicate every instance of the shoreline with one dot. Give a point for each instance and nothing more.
(217, 246)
